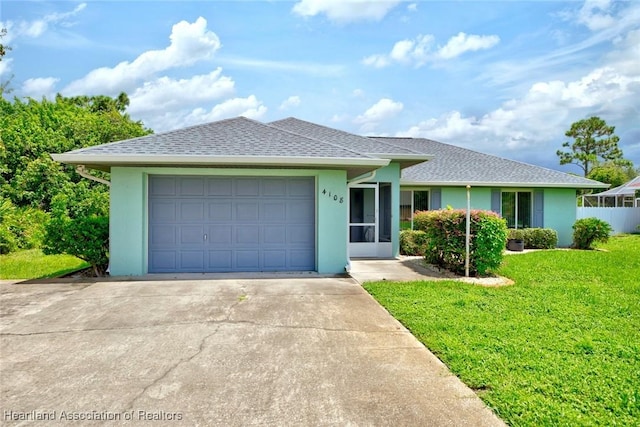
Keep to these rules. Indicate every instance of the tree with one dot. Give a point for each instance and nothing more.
(31, 130)
(594, 142)
(79, 225)
(4, 86)
(612, 173)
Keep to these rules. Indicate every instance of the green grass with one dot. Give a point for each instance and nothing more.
(560, 348)
(33, 264)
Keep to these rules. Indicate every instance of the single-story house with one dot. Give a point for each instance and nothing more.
(241, 195)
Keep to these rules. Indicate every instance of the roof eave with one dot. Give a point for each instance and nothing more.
(504, 184)
(404, 160)
(103, 161)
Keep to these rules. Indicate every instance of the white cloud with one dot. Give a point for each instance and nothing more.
(167, 93)
(189, 44)
(290, 102)
(382, 110)
(357, 93)
(419, 51)
(536, 121)
(248, 107)
(5, 66)
(412, 7)
(41, 86)
(594, 14)
(461, 43)
(342, 11)
(38, 27)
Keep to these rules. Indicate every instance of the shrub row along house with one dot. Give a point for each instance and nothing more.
(241, 195)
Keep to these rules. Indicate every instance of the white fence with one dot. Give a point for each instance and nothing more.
(622, 220)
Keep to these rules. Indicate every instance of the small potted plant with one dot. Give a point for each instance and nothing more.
(515, 240)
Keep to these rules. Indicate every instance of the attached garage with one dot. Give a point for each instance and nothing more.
(226, 224)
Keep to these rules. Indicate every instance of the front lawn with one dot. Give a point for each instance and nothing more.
(561, 347)
(33, 264)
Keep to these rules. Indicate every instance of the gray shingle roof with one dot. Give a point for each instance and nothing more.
(232, 137)
(454, 165)
(358, 143)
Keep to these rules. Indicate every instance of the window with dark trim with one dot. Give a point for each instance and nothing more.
(410, 202)
(517, 208)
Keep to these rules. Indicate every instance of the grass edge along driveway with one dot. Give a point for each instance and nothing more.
(561, 347)
(33, 264)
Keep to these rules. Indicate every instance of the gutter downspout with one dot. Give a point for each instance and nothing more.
(360, 179)
(82, 171)
(353, 182)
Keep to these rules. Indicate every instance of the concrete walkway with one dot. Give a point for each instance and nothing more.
(281, 351)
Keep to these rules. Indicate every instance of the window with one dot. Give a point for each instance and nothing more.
(517, 208)
(411, 201)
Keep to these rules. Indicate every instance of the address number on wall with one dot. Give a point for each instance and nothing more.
(334, 197)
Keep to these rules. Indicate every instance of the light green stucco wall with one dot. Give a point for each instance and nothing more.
(560, 213)
(456, 197)
(391, 174)
(129, 220)
(559, 206)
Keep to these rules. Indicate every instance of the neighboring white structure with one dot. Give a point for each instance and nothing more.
(626, 195)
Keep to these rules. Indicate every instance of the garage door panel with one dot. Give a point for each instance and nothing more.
(300, 211)
(192, 211)
(163, 235)
(165, 260)
(301, 187)
(192, 235)
(274, 235)
(220, 235)
(247, 187)
(221, 210)
(275, 259)
(300, 235)
(192, 186)
(247, 211)
(220, 187)
(221, 260)
(250, 224)
(274, 187)
(192, 260)
(247, 260)
(300, 259)
(162, 186)
(247, 234)
(274, 211)
(163, 211)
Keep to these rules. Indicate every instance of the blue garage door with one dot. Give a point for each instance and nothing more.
(222, 224)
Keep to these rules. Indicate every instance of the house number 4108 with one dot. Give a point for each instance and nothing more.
(333, 197)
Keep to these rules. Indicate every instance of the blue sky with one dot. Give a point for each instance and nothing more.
(506, 77)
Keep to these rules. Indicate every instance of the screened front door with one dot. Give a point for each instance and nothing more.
(370, 220)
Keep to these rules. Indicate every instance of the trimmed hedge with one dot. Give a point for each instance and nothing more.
(445, 239)
(535, 238)
(413, 242)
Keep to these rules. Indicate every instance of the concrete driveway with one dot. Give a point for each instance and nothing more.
(279, 351)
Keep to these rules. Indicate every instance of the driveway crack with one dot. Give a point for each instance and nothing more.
(186, 359)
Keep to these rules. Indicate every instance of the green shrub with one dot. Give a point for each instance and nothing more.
(412, 242)
(587, 231)
(20, 228)
(515, 234)
(445, 237)
(540, 238)
(79, 225)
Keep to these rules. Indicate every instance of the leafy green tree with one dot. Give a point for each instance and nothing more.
(4, 86)
(79, 225)
(30, 130)
(594, 142)
(611, 173)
